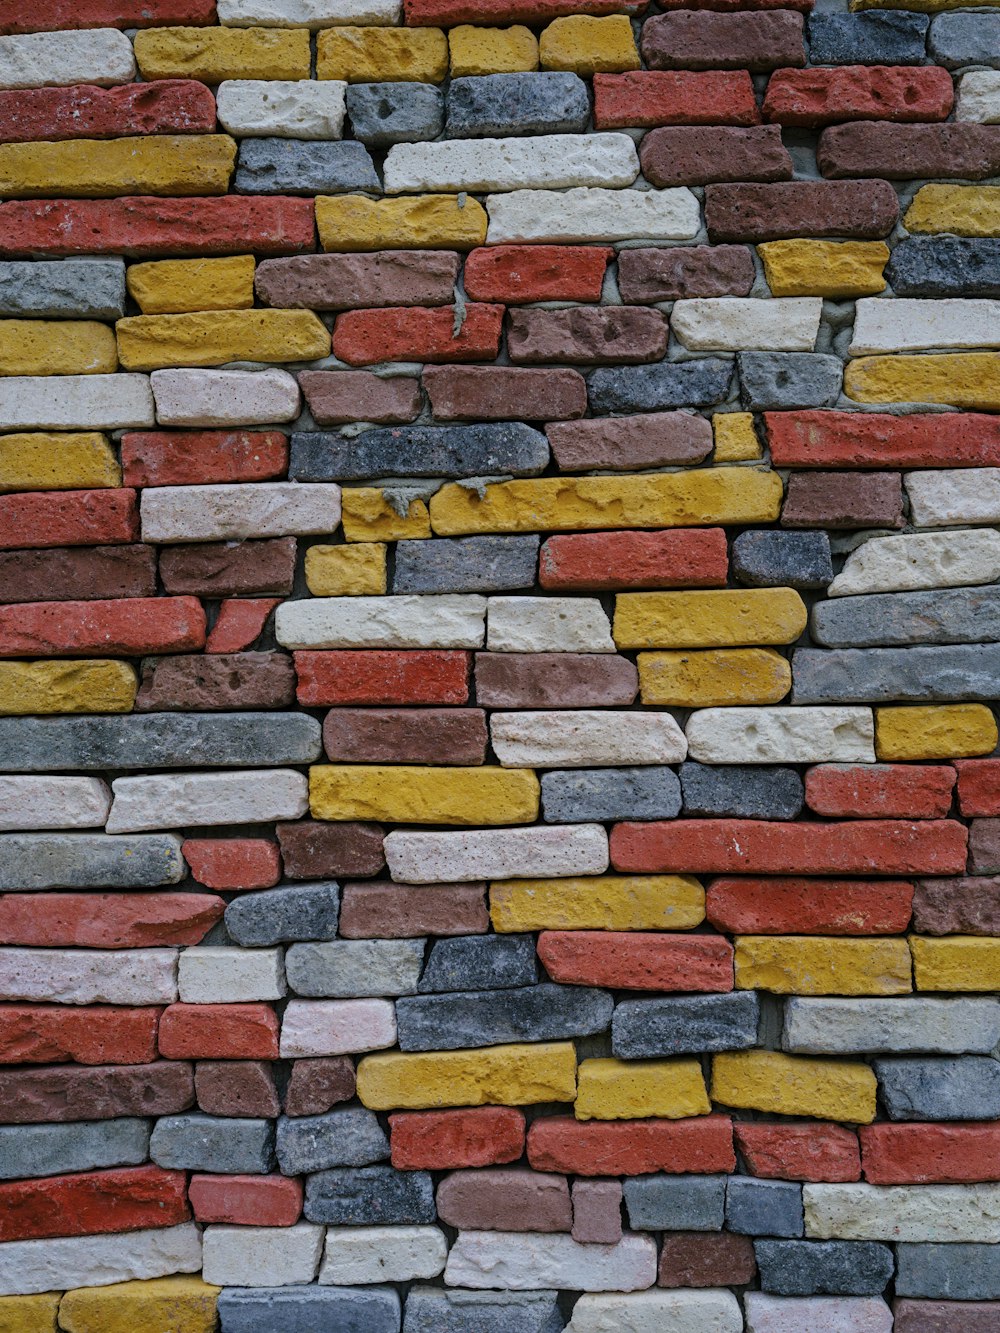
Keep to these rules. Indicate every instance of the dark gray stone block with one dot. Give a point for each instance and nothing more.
(685, 1025)
(764, 1207)
(63, 288)
(782, 559)
(965, 39)
(675, 1203)
(895, 675)
(617, 389)
(27, 1151)
(940, 1087)
(957, 1272)
(433, 1310)
(219, 1144)
(89, 860)
(823, 1268)
(466, 564)
(480, 962)
(352, 1137)
(492, 1018)
(885, 37)
(739, 792)
(293, 912)
(382, 114)
(508, 104)
(945, 265)
(501, 448)
(941, 615)
(774, 381)
(600, 794)
(370, 1196)
(309, 1310)
(304, 166)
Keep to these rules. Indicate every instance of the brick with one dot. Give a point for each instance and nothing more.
(183, 458)
(215, 337)
(426, 222)
(515, 1075)
(317, 851)
(68, 518)
(164, 165)
(928, 1154)
(881, 791)
(597, 1211)
(815, 1152)
(396, 911)
(935, 731)
(504, 393)
(654, 439)
(239, 1088)
(409, 333)
(880, 37)
(447, 1140)
(239, 624)
(944, 1316)
(388, 278)
(315, 1085)
(476, 51)
(62, 14)
(817, 97)
(424, 12)
(225, 681)
(133, 626)
(109, 920)
(876, 439)
(346, 570)
(814, 907)
(647, 98)
(607, 561)
(504, 1200)
(630, 961)
(616, 335)
(700, 1259)
(957, 906)
(516, 103)
(178, 285)
(806, 965)
(82, 111)
(553, 680)
(635, 1147)
(89, 1035)
(668, 273)
(229, 569)
(409, 795)
(793, 1085)
(834, 269)
(703, 40)
(61, 1093)
(32, 1313)
(383, 114)
(398, 736)
(719, 618)
(121, 1199)
(908, 152)
(70, 573)
(265, 1201)
(866, 210)
(513, 274)
(978, 787)
(375, 55)
(215, 54)
(843, 500)
(623, 1090)
(218, 1032)
(587, 44)
(232, 863)
(345, 396)
(382, 677)
(699, 155)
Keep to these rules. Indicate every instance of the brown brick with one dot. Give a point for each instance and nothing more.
(843, 500)
(503, 393)
(229, 569)
(670, 272)
(323, 851)
(407, 911)
(701, 154)
(359, 281)
(655, 439)
(587, 335)
(957, 906)
(554, 680)
(863, 209)
(909, 152)
(701, 1259)
(62, 1093)
(336, 397)
(242, 1088)
(505, 1199)
(946, 1316)
(693, 39)
(317, 1084)
(71, 573)
(216, 681)
(405, 735)
(984, 847)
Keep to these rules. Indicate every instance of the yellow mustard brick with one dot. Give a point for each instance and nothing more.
(412, 794)
(29, 1314)
(177, 1304)
(956, 963)
(158, 164)
(213, 337)
(794, 1085)
(346, 571)
(176, 286)
(96, 686)
(961, 379)
(964, 210)
(718, 618)
(56, 347)
(587, 45)
(48, 461)
(476, 51)
(839, 270)
(490, 1076)
(714, 678)
(382, 55)
(935, 731)
(604, 902)
(735, 438)
(626, 1090)
(648, 500)
(368, 516)
(215, 54)
(421, 222)
(818, 965)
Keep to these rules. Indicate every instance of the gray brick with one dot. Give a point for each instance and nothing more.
(220, 1144)
(309, 1309)
(885, 37)
(941, 615)
(958, 1272)
(824, 1268)
(741, 792)
(782, 559)
(89, 861)
(50, 1150)
(293, 912)
(468, 564)
(63, 288)
(480, 962)
(504, 104)
(300, 166)
(386, 113)
(965, 39)
(939, 1088)
(432, 1310)
(348, 968)
(507, 448)
(492, 1018)
(370, 1196)
(763, 1207)
(352, 1137)
(616, 389)
(601, 794)
(675, 1203)
(895, 675)
(685, 1025)
(945, 265)
(774, 381)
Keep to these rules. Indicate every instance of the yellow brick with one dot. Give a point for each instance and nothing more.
(605, 902)
(177, 1304)
(818, 965)
(421, 222)
(346, 571)
(962, 379)
(367, 516)
(97, 686)
(382, 55)
(175, 286)
(589, 45)
(793, 1085)
(721, 617)
(51, 462)
(964, 210)
(622, 1090)
(29, 1314)
(182, 164)
(956, 963)
(214, 54)
(935, 731)
(491, 50)
(648, 500)
(56, 347)
(840, 270)
(213, 337)
(714, 678)
(735, 438)
(490, 1076)
(411, 794)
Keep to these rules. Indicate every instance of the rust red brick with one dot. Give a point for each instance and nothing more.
(68, 518)
(632, 1147)
(219, 1032)
(434, 12)
(229, 569)
(634, 961)
(645, 98)
(602, 562)
(58, 14)
(512, 274)
(168, 106)
(882, 791)
(119, 920)
(239, 624)
(910, 152)
(310, 850)
(930, 1154)
(418, 333)
(260, 1201)
(702, 1259)
(383, 677)
(127, 627)
(199, 457)
(812, 97)
(233, 864)
(809, 906)
(879, 440)
(128, 1198)
(92, 1034)
(810, 1152)
(978, 786)
(63, 1093)
(446, 1140)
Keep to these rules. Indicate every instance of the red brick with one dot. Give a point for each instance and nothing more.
(383, 676)
(315, 1085)
(418, 333)
(809, 906)
(128, 1198)
(848, 500)
(197, 457)
(504, 393)
(310, 850)
(626, 444)
(670, 272)
(68, 518)
(424, 13)
(73, 573)
(407, 911)
(858, 92)
(910, 152)
(758, 42)
(241, 1088)
(512, 274)
(336, 397)
(676, 558)
(63, 1093)
(728, 6)
(866, 210)
(632, 1147)
(169, 106)
(143, 227)
(751, 846)
(933, 1154)
(946, 1316)
(786, 1151)
(978, 786)
(632, 961)
(129, 627)
(259, 1201)
(240, 623)
(107, 920)
(883, 791)
(54, 15)
(219, 1032)
(646, 98)
(587, 336)
(701, 154)
(446, 1140)
(233, 864)
(876, 439)
(35, 1034)
(701, 1259)
(405, 736)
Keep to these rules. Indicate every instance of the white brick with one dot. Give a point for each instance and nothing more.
(593, 215)
(554, 850)
(94, 55)
(820, 735)
(900, 325)
(232, 513)
(979, 97)
(732, 323)
(359, 1255)
(920, 560)
(308, 13)
(817, 1314)
(336, 1027)
(540, 161)
(548, 625)
(224, 397)
(526, 1261)
(176, 800)
(28, 802)
(449, 620)
(840, 1027)
(951, 497)
(657, 1312)
(903, 1212)
(226, 975)
(262, 1256)
(585, 739)
(89, 976)
(289, 109)
(28, 1266)
(75, 402)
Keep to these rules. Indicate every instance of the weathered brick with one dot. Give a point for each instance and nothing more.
(400, 736)
(816, 97)
(929, 1154)
(700, 155)
(398, 911)
(382, 677)
(414, 333)
(263, 1201)
(66, 574)
(646, 98)
(129, 627)
(631, 1147)
(815, 1152)
(863, 209)
(624, 960)
(706, 40)
(107, 921)
(815, 907)
(701, 1259)
(317, 851)
(88, 1035)
(875, 439)
(184, 458)
(513, 274)
(691, 558)
(61, 1093)
(957, 906)
(363, 281)
(218, 1032)
(586, 335)
(843, 500)
(68, 518)
(669, 273)
(504, 393)
(342, 397)
(881, 791)
(117, 1200)
(81, 111)
(229, 569)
